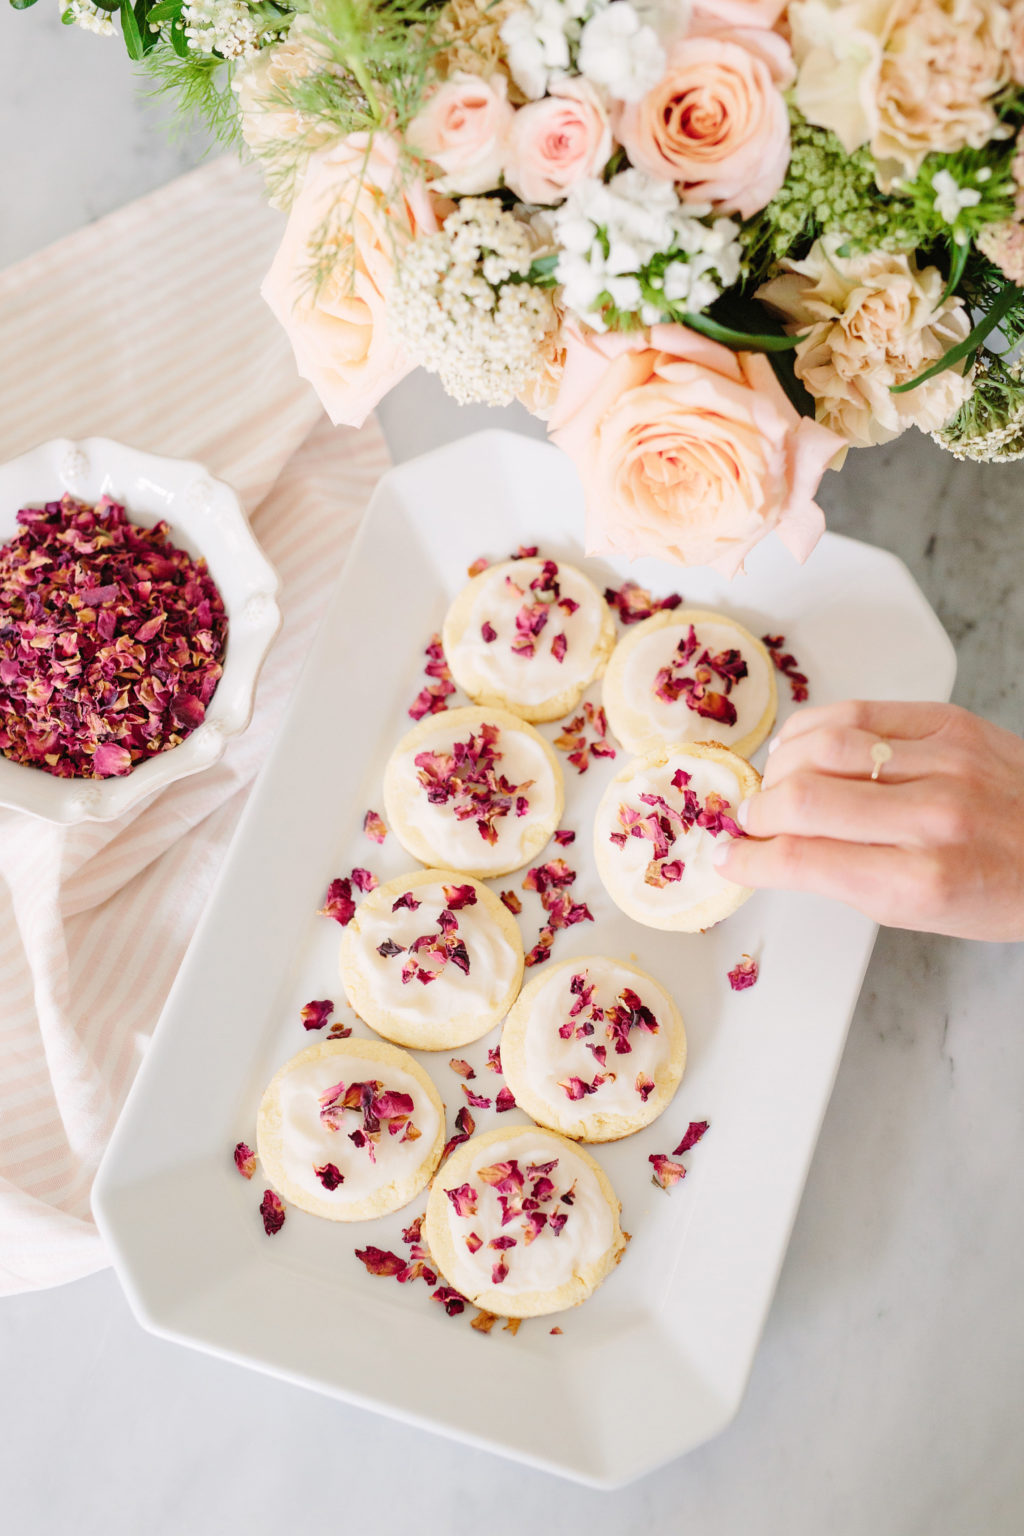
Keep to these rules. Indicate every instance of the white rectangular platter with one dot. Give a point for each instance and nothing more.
(658, 1359)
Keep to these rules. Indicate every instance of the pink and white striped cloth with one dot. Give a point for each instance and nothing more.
(146, 327)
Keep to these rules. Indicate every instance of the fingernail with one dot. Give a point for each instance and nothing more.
(742, 812)
(719, 853)
(772, 745)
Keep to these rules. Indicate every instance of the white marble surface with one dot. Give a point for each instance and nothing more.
(887, 1398)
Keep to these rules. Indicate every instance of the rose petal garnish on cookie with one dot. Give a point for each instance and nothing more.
(245, 1160)
(272, 1211)
(744, 974)
(463, 1199)
(315, 1014)
(459, 896)
(330, 1175)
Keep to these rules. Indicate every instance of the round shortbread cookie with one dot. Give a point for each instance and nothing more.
(304, 1124)
(652, 679)
(461, 981)
(663, 877)
(549, 1258)
(481, 774)
(528, 636)
(594, 1048)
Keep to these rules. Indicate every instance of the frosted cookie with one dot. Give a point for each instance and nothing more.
(656, 829)
(528, 635)
(432, 960)
(476, 790)
(350, 1129)
(690, 675)
(593, 1048)
(523, 1222)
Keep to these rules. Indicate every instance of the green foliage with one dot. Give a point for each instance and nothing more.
(200, 86)
(997, 404)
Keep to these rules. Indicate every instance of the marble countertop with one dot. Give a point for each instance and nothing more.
(888, 1393)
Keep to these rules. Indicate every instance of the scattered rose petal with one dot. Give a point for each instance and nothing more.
(694, 1133)
(563, 837)
(434, 697)
(478, 566)
(364, 879)
(330, 1175)
(338, 902)
(413, 1233)
(666, 1172)
(380, 1261)
(452, 1301)
(316, 1014)
(339, 1031)
(245, 1160)
(580, 747)
(465, 1125)
(511, 901)
(525, 552)
(743, 974)
(374, 827)
(787, 665)
(504, 1101)
(463, 1068)
(272, 1211)
(512, 1325)
(494, 1059)
(484, 1321)
(632, 603)
(475, 1099)
(554, 1330)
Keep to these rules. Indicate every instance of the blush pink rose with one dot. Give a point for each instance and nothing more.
(716, 123)
(339, 333)
(462, 129)
(687, 451)
(556, 142)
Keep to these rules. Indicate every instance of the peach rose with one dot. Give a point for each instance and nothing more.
(339, 333)
(556, 142)
(686, 450)
(740, 13)
(1017, 42)
(716, 124)
(868, 322)
(462, 128)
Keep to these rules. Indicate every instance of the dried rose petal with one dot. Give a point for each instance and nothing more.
(451, 1299)
(315, 1014)
(245, 1160)
(434, 697)
(413, 1233)
(484, 1321)
(787, 665)
(541, 951)
(504, 1101)
(499, 1272)
(364, 879)
(488, 633)
(666, 1172)
(563, 837)
(468, 781)
(330, 1175)
(478, 565)
(574, 740)
(512, 1325)
(388, 949)
(338, 902)
(407, 899)
(380, 1261)
(632, 603)
(459, 896)
(694, 1133)
(463, 1200)
(511, 901)
(463, 1068)
(644, 1086)
(743, 974)
(272, 1211)
(339, 1031)
(557, 1221)
(494, 1059)
(475, 1099)
(525, 552)
(465, 1125)
(559, 645)
(111, 640)
(374, 827)
(474, 1242)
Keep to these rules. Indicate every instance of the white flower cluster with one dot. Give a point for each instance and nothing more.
(611, 45)
(227, 27)
(611, 232)
(456, 312)
(91, 18)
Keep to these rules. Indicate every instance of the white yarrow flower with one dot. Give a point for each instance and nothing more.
(618, 51)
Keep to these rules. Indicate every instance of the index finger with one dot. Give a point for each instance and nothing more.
(883, 717)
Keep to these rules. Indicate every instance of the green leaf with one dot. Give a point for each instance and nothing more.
(149, 39)
(1001, 305)
(179, 42)
(165, 10)
(67, 17)
(22, 5)
(543, 266)
(130, 29)
(957, 263)
(740, 341)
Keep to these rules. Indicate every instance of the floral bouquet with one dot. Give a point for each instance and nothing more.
(713, 246)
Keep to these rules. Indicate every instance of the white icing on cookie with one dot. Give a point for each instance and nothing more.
(674, 720)
(623, 868)
(496, 666)
(494, 964)
(551, 1259)
(308, 1143)
(551, 1060)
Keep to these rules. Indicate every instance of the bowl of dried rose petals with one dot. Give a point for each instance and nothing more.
(136, 611)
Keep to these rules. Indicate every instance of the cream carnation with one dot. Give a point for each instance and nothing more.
(869, 322)
(686, 450)
(716, 123)
(354, 215)
(1017, 42)
(557, 142)
(280, 136)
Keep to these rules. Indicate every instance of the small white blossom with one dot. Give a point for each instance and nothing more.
(619, 52)
(456, 312)
(610, 233)
(541, 39)
(951, 198)
(90, 17)
(227, 27)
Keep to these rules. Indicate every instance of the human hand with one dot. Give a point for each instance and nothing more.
(936, 843)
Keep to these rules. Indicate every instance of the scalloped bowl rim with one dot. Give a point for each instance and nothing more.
(206, 518)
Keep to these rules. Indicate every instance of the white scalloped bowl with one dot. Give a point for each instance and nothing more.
(205, 518)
